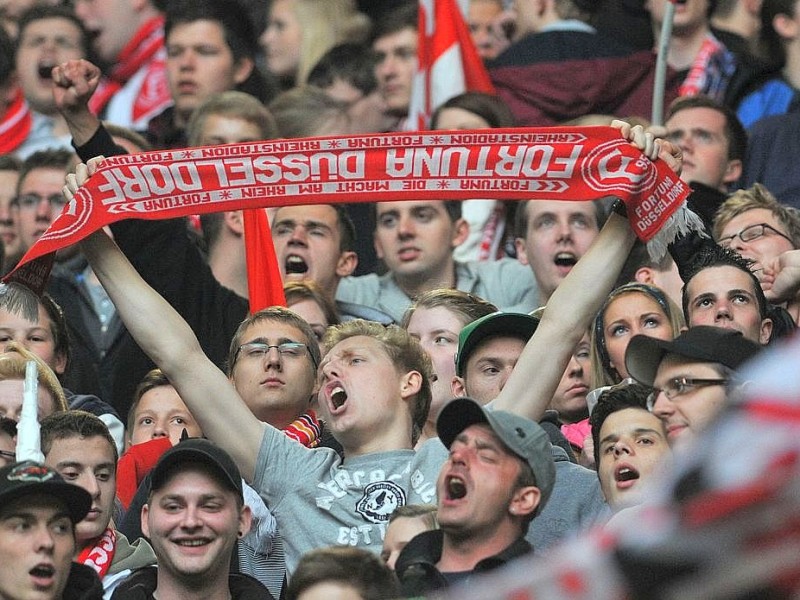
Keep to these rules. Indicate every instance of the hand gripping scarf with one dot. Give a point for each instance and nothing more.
(575, 163)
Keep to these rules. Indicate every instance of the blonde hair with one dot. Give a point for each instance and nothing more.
(405, 353)
(13, 363)
(325, 24)
(602, 373)
(757, 196)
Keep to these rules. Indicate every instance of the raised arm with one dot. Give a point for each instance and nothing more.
(573, 305)
(169, 341)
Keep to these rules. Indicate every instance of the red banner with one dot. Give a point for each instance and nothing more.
(579, 163)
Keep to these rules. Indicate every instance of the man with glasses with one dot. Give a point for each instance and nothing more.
(39, 199)
(756, 226)
(691, 375)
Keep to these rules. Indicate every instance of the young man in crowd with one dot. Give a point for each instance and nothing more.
(48, 36)
(415, 240)
(630, 444)
(498, 476)
(194, 515)
(756, 226)
(38, 514)
(720, 290)
(395, 48)
(692, 375)
(128, 36)
(489, 350)
(78, 446)
(374, 392)
(551, 237)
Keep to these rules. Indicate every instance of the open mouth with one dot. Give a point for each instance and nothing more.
(565, 259)
(296, 265)
(43, 571)
(45, 70)
(338, 396)
(626, 474)
(456, 488)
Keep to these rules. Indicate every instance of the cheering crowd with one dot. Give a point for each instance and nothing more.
(452, 387)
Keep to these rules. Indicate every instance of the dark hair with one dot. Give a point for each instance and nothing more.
(353, 63)
(39, 12)
(717, 256)
(9, 162)
(352, 567)
(7, 56)
(488, 107)
(52, 158)
(74, 423)
(735, 132)
(153, 379)
(238, 29)
(402, 17)
(615, 399)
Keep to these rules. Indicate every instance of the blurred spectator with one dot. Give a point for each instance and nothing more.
(405, 524)
(300, 32)
(395, 45)
(12, 245)
(484, 22)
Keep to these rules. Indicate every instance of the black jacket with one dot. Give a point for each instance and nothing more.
(141, 584)
(82, 584)
(416, 565)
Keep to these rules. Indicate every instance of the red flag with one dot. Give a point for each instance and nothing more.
(448, 63)
(264, 284)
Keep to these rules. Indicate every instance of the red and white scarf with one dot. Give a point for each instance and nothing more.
(100, 555)
(305, 429)
(570, 163)
(144, 48)
(15, 124)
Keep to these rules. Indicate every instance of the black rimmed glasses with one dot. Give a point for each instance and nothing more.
(259, 350)
(8, 455)
(680, 386)
(753, 232)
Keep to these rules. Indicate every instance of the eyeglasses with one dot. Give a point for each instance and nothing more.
(32, 201)
(259, 350)
(680, 386)
(9, 455)
(753, 232)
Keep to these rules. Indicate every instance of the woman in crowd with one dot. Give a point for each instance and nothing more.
(299, 32)
(436, 319)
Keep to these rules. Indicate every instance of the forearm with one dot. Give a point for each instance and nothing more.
(169, 341)
(568, 315)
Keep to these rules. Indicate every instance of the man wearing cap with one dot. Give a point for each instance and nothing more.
(498, 476)
(488, 351)
(691, 375)
(38, 513)
(193, 517)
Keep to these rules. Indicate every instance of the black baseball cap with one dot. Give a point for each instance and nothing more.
(702, 343)
(197, 450)
(519, 325)
(523, 437)
(28, 478)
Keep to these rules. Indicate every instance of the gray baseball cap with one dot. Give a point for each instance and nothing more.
(523, 437)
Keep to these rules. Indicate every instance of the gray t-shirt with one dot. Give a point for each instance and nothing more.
(320, 500)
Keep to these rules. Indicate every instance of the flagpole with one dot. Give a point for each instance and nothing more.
(657, 115)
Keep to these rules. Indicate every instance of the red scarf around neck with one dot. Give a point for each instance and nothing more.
(100, 554)
(15, 124)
